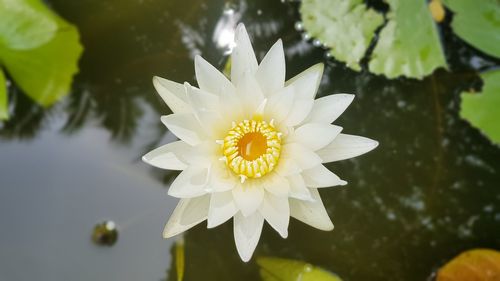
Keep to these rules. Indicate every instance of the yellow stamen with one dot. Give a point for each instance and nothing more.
(252, 148)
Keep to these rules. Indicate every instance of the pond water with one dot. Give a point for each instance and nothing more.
(428, 192)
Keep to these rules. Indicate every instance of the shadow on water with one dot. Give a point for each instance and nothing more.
(427, 193)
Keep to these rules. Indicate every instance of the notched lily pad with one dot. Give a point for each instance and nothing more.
(409, 44)
(345, 26)
(477, 265)
(277, 269)
(481, 109)
(477, 23)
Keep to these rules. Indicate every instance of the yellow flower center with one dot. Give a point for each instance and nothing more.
(252, 148)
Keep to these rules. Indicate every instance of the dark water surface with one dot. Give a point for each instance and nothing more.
(430, 191)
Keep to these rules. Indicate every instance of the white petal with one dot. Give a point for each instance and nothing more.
(301, 155)
(298, 188)
(201, 100)
(174, 94)
(287, 167)
(320, 176)
(328, 109)
(300, 109)
(243, 57)
(168, 156)
(271, 71)
(247, 232)
(221, 178)
(248, 197)
(315, 135)
(306, 83)
(249, 92)
(346, 146)
(190, 183)
(222, 208)
(209, 78)
(185, 126)
(276, 212)
(188, 213)
(279, 104)
(311, 213)
(276, 184)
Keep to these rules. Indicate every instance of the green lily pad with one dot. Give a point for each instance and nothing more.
(481, 109)
(345, 26)
(25, 24)
(477, 23)
(44, 73)
(4, 110)
(409, 44)
(277, 269)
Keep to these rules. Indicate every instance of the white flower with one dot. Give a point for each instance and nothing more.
(252, 148)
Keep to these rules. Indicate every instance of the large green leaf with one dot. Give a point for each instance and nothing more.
(25, 24)
(345, 26)
(409, 44)
(277, 269)
(482, 109)
(478, 23)
(4, 110)
(45, 73)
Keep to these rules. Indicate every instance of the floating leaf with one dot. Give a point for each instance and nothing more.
(44, 73)
(25, 24)
(473, 265)
(409, 44)
(277, 269)
(4, 110)
(345, 26)
(478, 23)
(482, 109)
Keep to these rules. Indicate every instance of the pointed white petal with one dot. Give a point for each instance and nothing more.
(201, 100)
(221, 178)
(300, 109)
(168, 156)
(271, 71)
(222, 208)
(315, 135)
(247, 232)
(276, 184)
(209, 78)
(248, 197)
(312, 213)
(328, 109)
(276, 212)
(320, 176)
(185, 126)
(243, 57)
(190, 183)
(174, 94)
(298, 188)
(188, 213)
(306, 83)
(301, 155)
(287, 166)
(280, 104)
(346, 146)
(249, 92)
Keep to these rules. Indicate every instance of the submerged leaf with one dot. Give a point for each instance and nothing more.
(4, 109)
(409, 44)
(473, 265)
(25, 24)
(45, 73)
(478, 23)
(345, 26)
(481, 109)
(277, 269)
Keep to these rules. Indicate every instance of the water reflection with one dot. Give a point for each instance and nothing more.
(429, 192)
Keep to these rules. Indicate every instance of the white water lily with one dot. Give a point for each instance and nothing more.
(252, 148)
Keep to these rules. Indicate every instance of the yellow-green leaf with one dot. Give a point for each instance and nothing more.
(473, 265)
(482, 109)
(278, 269)
(4, 109)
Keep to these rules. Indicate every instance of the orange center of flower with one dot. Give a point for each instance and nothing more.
(252, 148)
